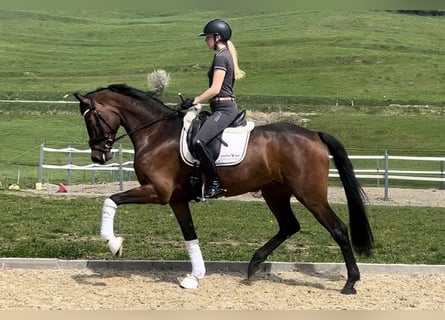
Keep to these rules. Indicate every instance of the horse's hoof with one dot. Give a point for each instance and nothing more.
(349, 291)
(189, 282)
(115, 246)
(253, 268)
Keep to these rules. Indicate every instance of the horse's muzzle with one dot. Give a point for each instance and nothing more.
(100, 157)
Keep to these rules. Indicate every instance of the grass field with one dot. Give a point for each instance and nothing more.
(228, 230)
(25, 128)
(313, 57)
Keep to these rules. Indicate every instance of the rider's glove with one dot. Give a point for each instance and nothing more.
(186, 104)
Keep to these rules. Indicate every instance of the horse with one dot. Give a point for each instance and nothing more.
(282, 161)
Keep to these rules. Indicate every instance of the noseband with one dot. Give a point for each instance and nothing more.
(104, 137)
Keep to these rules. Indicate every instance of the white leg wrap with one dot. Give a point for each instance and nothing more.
(108, 212)
(194, 251)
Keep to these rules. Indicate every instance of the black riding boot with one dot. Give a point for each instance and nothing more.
(214, 188)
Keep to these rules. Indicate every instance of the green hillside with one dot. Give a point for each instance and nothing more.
(373, 58)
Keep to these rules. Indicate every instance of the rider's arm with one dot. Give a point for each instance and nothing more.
(214, 89)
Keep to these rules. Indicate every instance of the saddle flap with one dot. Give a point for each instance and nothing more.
(230, 153)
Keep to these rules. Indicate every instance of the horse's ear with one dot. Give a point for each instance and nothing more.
(81, 98)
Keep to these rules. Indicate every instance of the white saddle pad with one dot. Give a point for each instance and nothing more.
(236, 138)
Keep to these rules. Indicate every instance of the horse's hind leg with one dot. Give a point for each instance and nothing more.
(339, 232)
(278, 200)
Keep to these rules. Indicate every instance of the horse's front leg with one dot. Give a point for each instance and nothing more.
(184, 218)
(139, 195)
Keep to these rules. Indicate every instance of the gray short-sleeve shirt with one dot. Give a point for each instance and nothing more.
(223, 61)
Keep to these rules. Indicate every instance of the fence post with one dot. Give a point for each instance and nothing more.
(40, 174)
(441, 175)
(129, 158)
(386, 198)
(93, 176)
(378, 172)
(121, 170)
(113, 160)
(70, 161)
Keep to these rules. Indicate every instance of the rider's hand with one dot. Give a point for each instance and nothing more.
(187, 104)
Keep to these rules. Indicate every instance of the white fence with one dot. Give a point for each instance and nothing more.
(386, 174)
(120, 166)
(381, 172)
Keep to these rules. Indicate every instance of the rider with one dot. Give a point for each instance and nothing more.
(222, 75)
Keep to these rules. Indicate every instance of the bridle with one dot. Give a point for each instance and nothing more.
(104, 137)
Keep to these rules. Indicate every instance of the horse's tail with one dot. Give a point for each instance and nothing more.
(361, 234)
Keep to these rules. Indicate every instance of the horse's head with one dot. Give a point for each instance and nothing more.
(102, 124)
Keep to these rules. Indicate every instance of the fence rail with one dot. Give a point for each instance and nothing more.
(384, 174)
(120, 166)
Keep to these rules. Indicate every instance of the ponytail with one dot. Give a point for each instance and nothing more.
(239, 74)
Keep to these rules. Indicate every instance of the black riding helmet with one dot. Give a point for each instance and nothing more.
(218, 26)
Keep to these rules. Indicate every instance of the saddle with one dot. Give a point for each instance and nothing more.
(228, 148)
(214, 146)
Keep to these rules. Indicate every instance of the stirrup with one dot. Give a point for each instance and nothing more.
(214, 192)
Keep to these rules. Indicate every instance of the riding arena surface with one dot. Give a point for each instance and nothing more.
(111, 289)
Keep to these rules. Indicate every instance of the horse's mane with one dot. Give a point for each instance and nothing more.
(132, 92)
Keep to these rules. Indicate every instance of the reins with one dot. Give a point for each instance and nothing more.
(170, 115)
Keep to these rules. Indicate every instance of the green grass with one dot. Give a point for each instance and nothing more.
(371, 57)
(398, 130)
(63, 228)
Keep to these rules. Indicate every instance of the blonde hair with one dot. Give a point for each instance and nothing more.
(239, 74)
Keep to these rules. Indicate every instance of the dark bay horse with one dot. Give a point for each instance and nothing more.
(282, 160)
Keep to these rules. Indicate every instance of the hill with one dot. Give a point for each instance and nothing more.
(370, 57)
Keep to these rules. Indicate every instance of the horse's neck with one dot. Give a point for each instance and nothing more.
(137, 115)
(146, 124)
